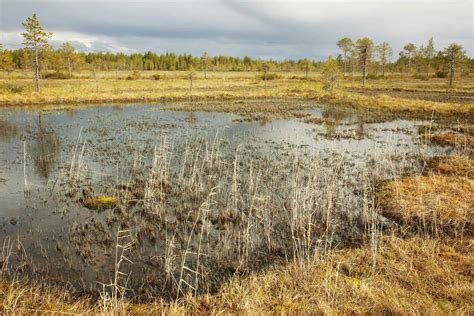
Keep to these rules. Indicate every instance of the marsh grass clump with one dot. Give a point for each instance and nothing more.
(269, 76)
(410, 275)
(15, 88)
(451, 139)
(460, 166)
(58, 75)
(134, 76)
(101, 203)
(437, 205)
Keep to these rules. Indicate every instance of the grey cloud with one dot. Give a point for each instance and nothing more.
(283, 29)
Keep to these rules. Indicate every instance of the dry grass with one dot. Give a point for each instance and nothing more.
(250, 110)
(461, 166)
(398, 105)
(415, 276)
(451, 139)
(227, 86)
(411, 276)
(433, 204)
(21, 300)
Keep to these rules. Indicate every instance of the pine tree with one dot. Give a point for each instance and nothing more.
(68, 52)
(385, 52)
(205, 61)
(455, 57)
(35, 40)
(365, 48)
(6, 60)
(346, 46)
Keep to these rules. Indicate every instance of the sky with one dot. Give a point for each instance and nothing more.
(277, 29)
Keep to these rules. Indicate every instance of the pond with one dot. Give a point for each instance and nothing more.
(200, 197)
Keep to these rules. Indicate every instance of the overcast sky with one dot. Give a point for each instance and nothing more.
(261, 29)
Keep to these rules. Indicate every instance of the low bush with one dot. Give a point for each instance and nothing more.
(58, 75)
(8, 87)
(134, 76)
(372, 76)
(270, 76)
(441, 74)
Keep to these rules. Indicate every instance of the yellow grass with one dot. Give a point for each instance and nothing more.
(222, 86)
(451, 139)
(461, 166)
(434, 204)
(414, 276)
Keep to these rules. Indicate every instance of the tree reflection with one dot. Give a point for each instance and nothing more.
(45, 150)
(360, 129)
(7, 130)
(333, 118)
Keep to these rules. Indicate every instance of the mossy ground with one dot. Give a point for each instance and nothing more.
(102, 203)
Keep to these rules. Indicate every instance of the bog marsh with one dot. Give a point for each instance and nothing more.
(198, 197)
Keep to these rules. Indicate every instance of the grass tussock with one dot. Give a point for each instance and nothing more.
(451, 139)
(460, 166)
(433, 204)
(417, 275)
(102, 203)
(387, 103)
(21, 300)
(250, 110)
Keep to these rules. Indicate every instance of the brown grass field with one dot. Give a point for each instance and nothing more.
(16, 89)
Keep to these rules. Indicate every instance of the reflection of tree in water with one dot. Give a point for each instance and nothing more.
(7, 130)
(360, 129)
(191, 118)
(333, 118)
(117, 108)
(45, 150)
(71, 113)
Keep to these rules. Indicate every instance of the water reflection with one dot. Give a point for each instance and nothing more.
(359, 130)
(333, 118)
(7, 130)
(45, 150)
(71, 113)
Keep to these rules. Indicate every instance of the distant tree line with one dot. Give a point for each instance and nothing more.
(370, 59)
(66, 58)
(360, 56)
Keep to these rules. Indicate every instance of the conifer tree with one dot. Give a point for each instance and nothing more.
(35, 40)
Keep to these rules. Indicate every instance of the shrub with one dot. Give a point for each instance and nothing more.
(421, 76)
(12, 87)
(58, 75)
(441, 74)
(134, 76)
(270, 76)
(372, 76)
